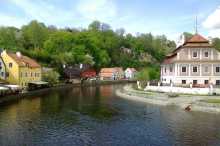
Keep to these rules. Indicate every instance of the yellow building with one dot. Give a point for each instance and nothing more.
(20, 69)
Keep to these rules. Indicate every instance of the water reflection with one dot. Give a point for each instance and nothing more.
(95, 116)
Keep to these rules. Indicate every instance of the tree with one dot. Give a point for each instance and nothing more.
(52, 77)
(95, 26)
(35, 34)
(9, 37)
(216, 43)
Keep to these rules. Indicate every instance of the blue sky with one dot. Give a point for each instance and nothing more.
(169, 17)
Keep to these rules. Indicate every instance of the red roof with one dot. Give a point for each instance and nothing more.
(23, 61)
(197, 38)
(88, 73)
(195, 41)
(169, 59)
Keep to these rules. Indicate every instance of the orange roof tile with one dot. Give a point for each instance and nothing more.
(24, 60)
(197, 38)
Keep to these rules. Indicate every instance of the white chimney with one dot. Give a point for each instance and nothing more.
(18, 54)
(81, 66)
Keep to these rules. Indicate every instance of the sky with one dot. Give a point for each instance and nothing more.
(168, 17)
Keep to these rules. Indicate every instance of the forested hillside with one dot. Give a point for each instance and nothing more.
(98, 45)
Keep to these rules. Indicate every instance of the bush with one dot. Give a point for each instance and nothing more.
(148, 74)
(52, 77)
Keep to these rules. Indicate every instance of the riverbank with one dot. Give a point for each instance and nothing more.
(19, 95)
(193, 102)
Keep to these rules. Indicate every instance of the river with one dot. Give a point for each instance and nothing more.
(75, 116)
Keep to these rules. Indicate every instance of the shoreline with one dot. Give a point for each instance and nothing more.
(15, 97)
(162, 99)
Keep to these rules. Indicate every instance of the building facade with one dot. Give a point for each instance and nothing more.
(130, 73)
(196, 62)
(2, 70)
(20, 69)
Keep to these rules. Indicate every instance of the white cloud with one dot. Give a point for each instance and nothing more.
(43, 11)
(7, 20)
(213, 21)
(103, 10)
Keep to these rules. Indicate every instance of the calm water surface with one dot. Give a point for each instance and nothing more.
(96, 116)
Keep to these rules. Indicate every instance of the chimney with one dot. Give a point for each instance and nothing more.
(81, 66)
(18, 54)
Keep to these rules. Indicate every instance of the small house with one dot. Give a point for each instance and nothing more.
(114, 73)
(119, 73)
(20, 69)
(107, 74)
(75, 73)
(130, 73)
(88, 73)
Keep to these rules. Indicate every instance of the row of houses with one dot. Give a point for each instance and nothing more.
(18, 69)
(117, 73)
(82, 71)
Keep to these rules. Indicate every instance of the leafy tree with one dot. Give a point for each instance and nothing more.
(216, 43)
(35, 34)
(52, 77)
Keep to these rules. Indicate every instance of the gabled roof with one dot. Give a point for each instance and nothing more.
(108, 70)
(197, 38)
(23, 61)
(195, 41)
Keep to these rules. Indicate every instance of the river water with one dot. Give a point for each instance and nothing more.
(95, 116)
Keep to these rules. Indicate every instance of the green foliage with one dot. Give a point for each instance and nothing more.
(187, 35)
(98, 45)
(52, 77)
(148, 74)
(143, 75)
(216, 43)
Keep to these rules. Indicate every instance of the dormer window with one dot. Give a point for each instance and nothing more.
(195, 54)
(27, 65)
(206, 54)
(10, 65)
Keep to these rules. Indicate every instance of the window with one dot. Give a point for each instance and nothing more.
(217, 69)
(217, 82)
(7, 74)
(206, 69)
(195, 69)
(206, 82)
(27, 65)
(31, 74)
(183, 69)
(165, 69)
(35, 74)
(10, 65)
(183, 81)
(206, 54)
(195, 54)
(26, 74)
(171, 69)
(2, 74)
(194, 82)
(21, 74)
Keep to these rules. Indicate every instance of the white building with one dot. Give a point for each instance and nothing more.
(130, 73)
(196, 62)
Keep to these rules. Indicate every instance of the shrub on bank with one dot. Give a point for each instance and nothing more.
(52, 77)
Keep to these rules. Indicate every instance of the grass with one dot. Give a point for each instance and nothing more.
(212, 101)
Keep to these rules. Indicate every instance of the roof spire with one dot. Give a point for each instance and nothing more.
(196, 25)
